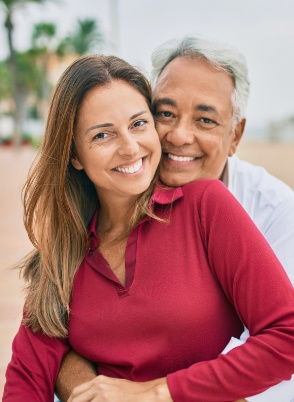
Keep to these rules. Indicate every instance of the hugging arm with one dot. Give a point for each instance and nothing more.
(256, 284)
(282, 392)
(74, 370)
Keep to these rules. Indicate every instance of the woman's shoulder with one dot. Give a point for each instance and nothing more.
(208, 195)
(204, 186)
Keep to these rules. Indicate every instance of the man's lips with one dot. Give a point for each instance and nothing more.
(181, 158)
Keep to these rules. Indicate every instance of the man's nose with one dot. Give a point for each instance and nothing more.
(183, 133)
(128, 145)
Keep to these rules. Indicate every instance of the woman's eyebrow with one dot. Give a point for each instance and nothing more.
(137, 114)
(111, 124)
(98, 126)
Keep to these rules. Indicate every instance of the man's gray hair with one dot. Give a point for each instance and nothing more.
(220, 55)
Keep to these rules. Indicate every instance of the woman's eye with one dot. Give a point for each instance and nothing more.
(100, 136)
(139, 123)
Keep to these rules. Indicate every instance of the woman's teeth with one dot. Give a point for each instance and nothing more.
(131, 169)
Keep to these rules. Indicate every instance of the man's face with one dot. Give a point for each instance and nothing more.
(194, 119)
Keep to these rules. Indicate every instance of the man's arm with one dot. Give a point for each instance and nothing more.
(283, 392)
(74, 370)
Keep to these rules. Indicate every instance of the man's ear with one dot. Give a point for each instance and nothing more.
(76, 163)
(237, 135)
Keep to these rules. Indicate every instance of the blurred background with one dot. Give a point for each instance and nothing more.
(40, 38)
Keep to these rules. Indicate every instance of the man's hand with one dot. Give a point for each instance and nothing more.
(106, 389)
(74, 370)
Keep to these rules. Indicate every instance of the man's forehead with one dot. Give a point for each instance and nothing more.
(207, 87)
(188, 69)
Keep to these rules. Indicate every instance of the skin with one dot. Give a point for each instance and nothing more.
(117, 145)
(194, 120)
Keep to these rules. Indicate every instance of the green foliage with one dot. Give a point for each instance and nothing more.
(30, 75)
(29, 139)
(24, 76)
(43, 35)
(85, 38)
(12, 4)
(5, 80)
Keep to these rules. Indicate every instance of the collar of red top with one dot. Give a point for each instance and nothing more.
(161, 195)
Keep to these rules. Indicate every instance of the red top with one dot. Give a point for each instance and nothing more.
(182, 280)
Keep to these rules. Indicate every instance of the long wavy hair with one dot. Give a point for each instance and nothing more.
(59, 200)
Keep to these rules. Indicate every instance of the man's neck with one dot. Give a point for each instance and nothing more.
(225, 175)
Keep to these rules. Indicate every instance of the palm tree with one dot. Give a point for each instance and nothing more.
(43, 46)
(10, 7)
(86, 37)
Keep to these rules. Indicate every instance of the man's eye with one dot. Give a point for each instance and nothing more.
(206, 120)
(163, 114)
(205, 123)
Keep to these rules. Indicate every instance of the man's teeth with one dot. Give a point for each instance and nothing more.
(131, 169)
(180, 158)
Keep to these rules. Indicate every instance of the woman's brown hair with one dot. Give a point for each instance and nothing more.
(59, 200)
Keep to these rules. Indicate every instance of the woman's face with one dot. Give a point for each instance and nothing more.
(116, 141)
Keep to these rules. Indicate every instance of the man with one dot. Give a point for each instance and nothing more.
(200, 94)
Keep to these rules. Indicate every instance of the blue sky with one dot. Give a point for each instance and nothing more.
(262, 29)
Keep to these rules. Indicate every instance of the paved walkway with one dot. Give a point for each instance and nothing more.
(14, 244)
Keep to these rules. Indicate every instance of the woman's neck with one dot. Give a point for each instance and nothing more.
(114, 215)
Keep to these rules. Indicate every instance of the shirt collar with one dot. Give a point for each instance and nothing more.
(165, 195)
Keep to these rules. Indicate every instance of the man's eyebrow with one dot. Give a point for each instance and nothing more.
(164, 102)
(206, 108)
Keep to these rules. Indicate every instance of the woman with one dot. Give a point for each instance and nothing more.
(137, 279)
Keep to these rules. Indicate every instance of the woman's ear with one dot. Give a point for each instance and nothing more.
(76, 163)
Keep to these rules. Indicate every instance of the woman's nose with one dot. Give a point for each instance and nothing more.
(128, 145)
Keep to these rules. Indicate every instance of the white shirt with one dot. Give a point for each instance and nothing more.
(270, 204)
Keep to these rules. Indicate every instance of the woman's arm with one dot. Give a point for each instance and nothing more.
(33, 369)
(256, 284)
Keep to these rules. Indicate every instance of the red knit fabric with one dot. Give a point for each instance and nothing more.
(175, 314)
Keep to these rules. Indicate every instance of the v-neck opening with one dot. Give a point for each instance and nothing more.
(100, 264)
